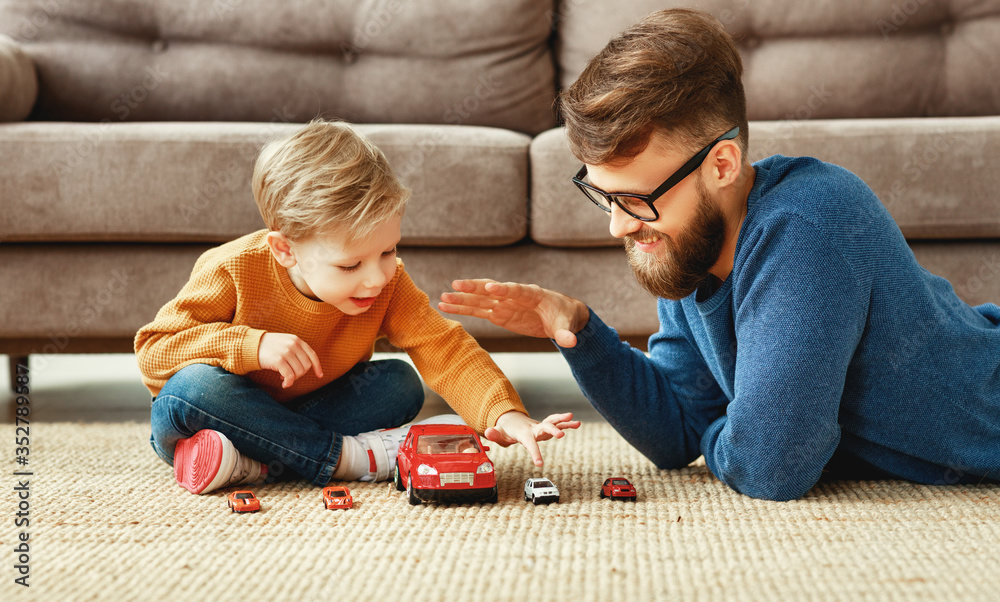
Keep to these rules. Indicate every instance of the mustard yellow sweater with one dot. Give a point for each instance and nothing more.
(237, 292)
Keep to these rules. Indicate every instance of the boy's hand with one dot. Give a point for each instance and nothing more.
(288, 355)
(522, 308)
(515, 427)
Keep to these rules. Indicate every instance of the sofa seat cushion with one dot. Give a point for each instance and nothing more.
(469, 62)
(170, 182)
(108, 290)
(934, 175)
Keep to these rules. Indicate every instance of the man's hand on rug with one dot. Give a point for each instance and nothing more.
(526, 309)
(515, 427)
(288, 355)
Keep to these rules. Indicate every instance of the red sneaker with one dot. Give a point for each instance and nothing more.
(207, 461)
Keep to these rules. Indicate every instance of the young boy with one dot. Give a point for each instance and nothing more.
(262, 362)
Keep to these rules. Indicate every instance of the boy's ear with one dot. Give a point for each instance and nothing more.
(281, 248)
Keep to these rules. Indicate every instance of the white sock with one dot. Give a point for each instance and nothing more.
(354, 462)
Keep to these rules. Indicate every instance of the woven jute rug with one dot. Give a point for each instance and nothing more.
(107, 522)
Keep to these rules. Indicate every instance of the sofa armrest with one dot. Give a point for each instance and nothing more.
(18, 81)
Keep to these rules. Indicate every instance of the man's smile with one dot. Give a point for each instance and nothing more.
(647, 247)
(647, 241)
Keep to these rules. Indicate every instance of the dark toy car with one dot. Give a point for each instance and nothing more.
(445, 463)
(618, 488)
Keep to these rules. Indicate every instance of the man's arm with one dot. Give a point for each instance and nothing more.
(660, 404)
(799, 318)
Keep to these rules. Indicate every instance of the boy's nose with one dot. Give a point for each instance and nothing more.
(622, 224)
(375, 277)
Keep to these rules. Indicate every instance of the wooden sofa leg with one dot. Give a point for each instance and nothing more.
(14, 360)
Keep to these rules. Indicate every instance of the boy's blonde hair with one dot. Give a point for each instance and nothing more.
(325, 178)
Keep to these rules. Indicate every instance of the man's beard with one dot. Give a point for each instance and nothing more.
(676, 270)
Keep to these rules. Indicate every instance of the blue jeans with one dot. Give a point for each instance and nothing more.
(304, 435)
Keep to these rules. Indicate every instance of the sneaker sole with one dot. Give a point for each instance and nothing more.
(200, 461)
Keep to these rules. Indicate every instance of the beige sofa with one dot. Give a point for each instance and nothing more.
(131, 127)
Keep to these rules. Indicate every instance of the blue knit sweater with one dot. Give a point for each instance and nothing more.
(827, 348)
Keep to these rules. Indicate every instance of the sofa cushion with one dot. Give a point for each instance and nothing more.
(472, 62)
(935, 175)
(848, 59)
(170, 182)
(108, 291)
(18, 84)
(111, 290)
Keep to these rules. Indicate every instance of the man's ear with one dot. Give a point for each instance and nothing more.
(726, 160)
(281, 249)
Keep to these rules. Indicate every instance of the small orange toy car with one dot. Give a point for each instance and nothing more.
(243, 501)
(337, 497)
(618, 488)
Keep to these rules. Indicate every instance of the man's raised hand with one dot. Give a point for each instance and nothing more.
(526, 309)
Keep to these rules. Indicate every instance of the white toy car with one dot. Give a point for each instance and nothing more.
(540, 491)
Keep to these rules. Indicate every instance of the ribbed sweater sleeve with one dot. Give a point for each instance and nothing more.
(197, 327)
(450, 361)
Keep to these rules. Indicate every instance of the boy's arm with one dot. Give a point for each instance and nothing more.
(196, 327)
(449, 359)
(455, 366)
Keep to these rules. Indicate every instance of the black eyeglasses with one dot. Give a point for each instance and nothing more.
(640, 206)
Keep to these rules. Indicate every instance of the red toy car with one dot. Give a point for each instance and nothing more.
(243, 501)
(618, 488)
(337, 498)
(445, 463)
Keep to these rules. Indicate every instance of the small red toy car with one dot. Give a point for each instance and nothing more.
(243, 501)
(445, 463)
(618, 488)
(337, 498)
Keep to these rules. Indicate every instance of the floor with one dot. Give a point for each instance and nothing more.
(107, 388)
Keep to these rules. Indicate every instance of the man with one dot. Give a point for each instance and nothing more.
(798, 333)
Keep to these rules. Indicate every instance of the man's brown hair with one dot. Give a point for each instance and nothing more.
(677, 72)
